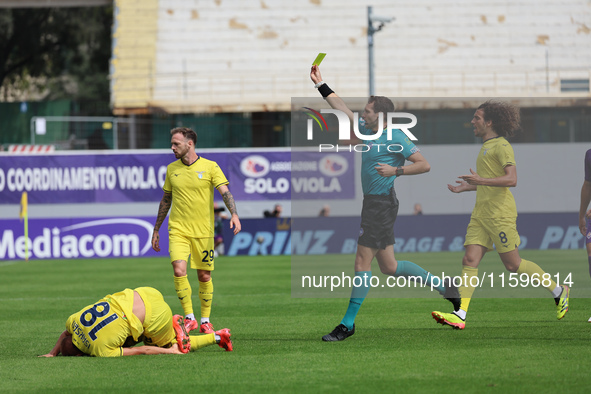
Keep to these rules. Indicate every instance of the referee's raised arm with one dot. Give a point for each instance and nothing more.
(329, 95)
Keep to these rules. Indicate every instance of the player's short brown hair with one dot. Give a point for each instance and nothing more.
(504, 116)
(186, 132)
(67, 348)
(381, 104)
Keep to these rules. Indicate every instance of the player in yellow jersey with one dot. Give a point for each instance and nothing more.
(188, 188)
(112, 326)
(494, 216)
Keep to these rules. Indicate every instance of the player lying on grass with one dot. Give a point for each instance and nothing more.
(494, 218)
(114, 324)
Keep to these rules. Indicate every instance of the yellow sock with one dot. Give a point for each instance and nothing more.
(184, 292)
(530, 268)
(205, 295)
(199, 341)
(466, 290)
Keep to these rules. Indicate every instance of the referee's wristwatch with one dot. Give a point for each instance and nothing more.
(399, 171)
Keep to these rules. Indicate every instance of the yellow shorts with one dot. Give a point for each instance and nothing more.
(200, 250)
(158, 329)
(500, 232)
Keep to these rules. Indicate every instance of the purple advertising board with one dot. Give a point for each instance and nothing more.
(87, 178)
(82, 238)
(426, 233)
(131, 236)
(291, 175)
(139, 177)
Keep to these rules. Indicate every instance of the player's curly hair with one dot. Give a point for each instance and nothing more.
(186, 132)
(381, 104)
(504, 116)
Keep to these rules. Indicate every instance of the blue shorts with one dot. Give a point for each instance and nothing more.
(588, 236)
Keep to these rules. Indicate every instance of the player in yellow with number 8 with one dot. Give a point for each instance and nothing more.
(494, 217)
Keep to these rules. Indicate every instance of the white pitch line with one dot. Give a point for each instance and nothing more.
(12, 262)
(44, 299)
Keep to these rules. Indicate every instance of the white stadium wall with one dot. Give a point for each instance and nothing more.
(230, 55)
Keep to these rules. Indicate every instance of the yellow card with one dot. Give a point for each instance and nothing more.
(319, 59)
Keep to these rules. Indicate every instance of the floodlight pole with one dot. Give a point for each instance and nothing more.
(547, 73)
(371, 30)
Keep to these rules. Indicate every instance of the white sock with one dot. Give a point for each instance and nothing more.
(204, 320)
(217, 338)
(557, 291)
(461, 314)
(190, 317)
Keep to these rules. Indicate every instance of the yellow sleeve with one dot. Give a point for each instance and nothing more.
(167, 185)
(506, 155)
(69, 323)
(218, 177)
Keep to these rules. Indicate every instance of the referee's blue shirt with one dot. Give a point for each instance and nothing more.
(401, 147)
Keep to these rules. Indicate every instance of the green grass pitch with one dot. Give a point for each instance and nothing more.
(509, 345)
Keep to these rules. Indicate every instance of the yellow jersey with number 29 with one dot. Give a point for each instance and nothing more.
(493, 201)
(192, 187)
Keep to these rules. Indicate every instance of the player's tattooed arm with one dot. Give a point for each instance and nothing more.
(163, 209)
(231, 205)
(162, 212)
(229, 201)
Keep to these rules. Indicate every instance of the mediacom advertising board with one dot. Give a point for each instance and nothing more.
(81, 238)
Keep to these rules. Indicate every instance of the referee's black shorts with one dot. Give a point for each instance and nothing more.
(377, 220)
